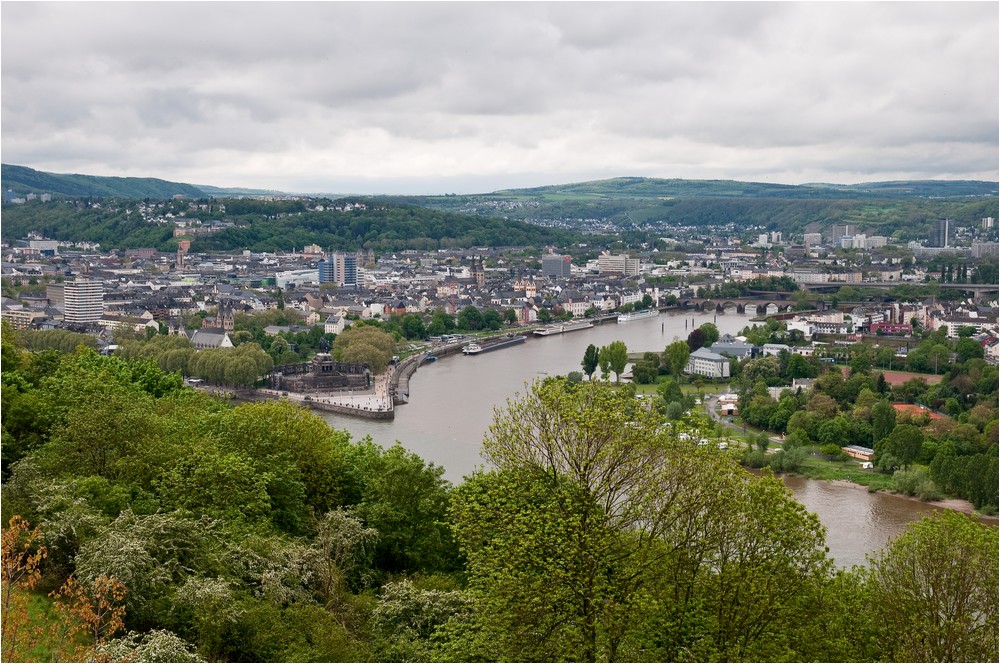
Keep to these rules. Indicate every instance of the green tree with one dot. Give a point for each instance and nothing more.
(596, 526)
(934, 590)
(557, 538)
(616, 354)
(590, 361)
(711, 333)
(365, 344)
(696, 339)
(968, 349)
(800, 367)
(883, 420)
(405, 500)
(676, 357)
(469, 318)
(901, 447)
(413, 327)
(441, 323)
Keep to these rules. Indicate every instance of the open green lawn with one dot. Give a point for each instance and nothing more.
(687, 388)
(822, 469)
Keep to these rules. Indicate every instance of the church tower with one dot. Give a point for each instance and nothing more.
(479, 273)
(226, 316)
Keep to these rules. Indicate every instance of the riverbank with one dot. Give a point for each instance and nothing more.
(844, 473)
(954, 504)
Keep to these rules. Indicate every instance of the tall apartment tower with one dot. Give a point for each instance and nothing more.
(84, 301)
(327, 271)
(347, 269)
(939, 233)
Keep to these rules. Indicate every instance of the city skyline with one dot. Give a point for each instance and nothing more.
(424, 98)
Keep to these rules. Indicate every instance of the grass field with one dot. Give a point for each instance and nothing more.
(822, 469)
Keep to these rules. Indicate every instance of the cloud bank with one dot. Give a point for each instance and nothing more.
(470, 97)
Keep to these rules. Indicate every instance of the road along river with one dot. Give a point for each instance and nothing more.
(452, 402)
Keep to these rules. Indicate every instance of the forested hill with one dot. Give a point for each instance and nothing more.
(236, 224)
(903, 209)
(23, 180)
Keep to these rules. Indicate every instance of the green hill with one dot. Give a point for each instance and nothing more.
(22, 180)
(262, 225)
(638, 187)
(903, 209)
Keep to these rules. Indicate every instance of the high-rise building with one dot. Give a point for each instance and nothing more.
(621, 264)
(84, 301)
(327, 271)
(556, 265)
(347, 270)
(939, 233)
(813, 239)
(840, 231)
(985, 249)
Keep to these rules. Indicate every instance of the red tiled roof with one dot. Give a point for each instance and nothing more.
(914, 409)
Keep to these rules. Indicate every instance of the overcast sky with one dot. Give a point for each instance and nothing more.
(474, 97)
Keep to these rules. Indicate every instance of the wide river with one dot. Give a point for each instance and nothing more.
(452, 402)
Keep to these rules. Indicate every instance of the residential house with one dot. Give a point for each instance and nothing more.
(335, 325)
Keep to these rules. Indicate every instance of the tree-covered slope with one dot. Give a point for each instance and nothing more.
(23, 180)
(903, 208)
(274, 225)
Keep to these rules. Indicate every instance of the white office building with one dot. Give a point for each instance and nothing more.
(621, 264)
(704, 362)
(84, 301)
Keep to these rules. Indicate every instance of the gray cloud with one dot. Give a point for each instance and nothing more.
(441, 96)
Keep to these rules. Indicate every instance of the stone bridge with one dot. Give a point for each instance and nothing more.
(721, 305)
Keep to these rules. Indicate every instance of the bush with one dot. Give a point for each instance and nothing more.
(833, 452)
(787, 460)
(916, 482)
(754, 458)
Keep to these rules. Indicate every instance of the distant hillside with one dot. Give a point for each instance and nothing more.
(637, 187)
(23, 180)
(279, 225)
(222, 192)
(903, 209)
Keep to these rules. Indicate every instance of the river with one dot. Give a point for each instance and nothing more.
(452, 402)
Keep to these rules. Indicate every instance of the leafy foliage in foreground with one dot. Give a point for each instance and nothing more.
(192, 529)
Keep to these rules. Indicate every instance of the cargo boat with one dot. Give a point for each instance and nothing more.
(475, 349)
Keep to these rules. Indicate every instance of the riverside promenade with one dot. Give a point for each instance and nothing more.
(375, 402)
(390, 388)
